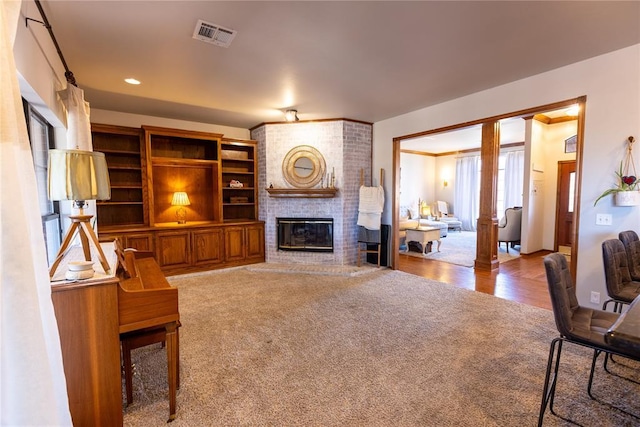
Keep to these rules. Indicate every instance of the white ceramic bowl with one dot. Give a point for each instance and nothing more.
(79, 275)
(80, 265)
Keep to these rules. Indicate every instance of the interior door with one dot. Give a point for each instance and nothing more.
(565, 203)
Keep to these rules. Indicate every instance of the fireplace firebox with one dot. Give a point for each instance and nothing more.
(305, 234)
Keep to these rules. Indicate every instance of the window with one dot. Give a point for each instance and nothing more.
(41, 139)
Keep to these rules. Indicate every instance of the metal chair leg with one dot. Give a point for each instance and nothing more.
(548, 391)
(596, 353)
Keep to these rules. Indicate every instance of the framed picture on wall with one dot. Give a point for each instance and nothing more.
(570, 144)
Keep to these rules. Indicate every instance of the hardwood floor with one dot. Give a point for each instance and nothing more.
(522, 279)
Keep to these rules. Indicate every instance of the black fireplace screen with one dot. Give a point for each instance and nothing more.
(305, 234)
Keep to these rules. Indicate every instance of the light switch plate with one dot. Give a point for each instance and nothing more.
(604, 219)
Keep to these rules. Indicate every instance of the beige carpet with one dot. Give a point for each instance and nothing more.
(385, 348)
(459, 247)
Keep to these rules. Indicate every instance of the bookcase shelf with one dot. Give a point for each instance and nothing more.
(239, 163)
(124, 152)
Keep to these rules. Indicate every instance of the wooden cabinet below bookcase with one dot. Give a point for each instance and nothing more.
(187, 249)
(244, 243)
(197, 246)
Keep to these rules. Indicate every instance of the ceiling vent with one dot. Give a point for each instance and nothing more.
(213, 33)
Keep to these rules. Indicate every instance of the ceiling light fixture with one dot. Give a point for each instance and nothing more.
(291, 115)
(132, 81)
(573, 111)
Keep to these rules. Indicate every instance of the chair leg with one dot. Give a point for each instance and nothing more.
(596, 353)
(128, 374)
(548, 391)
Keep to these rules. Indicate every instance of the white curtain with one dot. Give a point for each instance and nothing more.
(467, 191)
(32, 384)
(513, 178)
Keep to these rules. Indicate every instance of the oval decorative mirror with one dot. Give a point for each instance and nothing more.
(303, 166)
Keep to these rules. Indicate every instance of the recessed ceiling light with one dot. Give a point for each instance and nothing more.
(132, 81)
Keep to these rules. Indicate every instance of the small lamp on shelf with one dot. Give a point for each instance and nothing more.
(79, 176)
(181, 199)
(425, 210)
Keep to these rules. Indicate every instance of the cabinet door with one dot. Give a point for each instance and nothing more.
(208, 246)
(173, 249)
(254, 241)
(140, 241)
(234, 244)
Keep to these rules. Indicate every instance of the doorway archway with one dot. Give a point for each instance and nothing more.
(488, 215)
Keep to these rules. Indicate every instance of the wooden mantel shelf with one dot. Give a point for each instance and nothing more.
(302, 192)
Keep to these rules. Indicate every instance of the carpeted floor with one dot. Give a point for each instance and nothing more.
(385, 348)
(460, 248)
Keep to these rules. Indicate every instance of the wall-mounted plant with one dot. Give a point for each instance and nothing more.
(625, 191)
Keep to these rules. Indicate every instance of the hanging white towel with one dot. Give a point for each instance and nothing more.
(370, 207)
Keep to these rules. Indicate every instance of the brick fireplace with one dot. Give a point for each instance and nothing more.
(346, 148)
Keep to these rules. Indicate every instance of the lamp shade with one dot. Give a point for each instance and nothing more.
(425, 210)
(180, 198)
(78, 175)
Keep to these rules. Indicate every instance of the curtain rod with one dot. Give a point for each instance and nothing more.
(68, 74)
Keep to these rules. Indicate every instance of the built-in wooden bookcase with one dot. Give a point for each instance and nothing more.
(238, 159)
(179, 160)
(125, 155)
(148, 165)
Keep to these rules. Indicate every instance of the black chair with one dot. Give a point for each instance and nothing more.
(620, 287)
(576, 324)
(631, 244)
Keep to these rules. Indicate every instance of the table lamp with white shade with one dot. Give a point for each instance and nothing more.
(79, 176)
(180, 199)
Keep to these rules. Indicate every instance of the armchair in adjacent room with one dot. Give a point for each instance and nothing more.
(441, 211)
(509, 227)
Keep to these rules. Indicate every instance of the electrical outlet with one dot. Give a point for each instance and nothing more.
(604, 219)
(595, 297)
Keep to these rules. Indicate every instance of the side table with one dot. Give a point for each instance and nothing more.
(424, 235)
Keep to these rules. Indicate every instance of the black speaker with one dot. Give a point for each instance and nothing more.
(385, 250)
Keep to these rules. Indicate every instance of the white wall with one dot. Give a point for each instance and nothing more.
(137, 120)
(533, 206)
(611, 83)
(417, 174)
(40, 70)
(554, 136)
(446, 168)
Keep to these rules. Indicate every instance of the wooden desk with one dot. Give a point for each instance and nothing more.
(423, 235)
(87, 316)
(625, 333)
